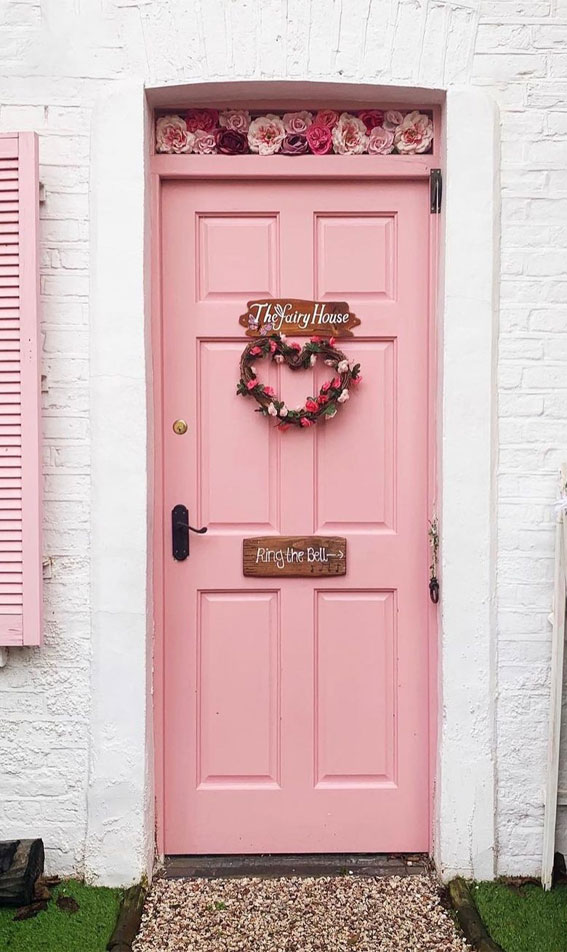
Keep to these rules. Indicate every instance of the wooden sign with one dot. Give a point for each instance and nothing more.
(296, 317)
(294, 556)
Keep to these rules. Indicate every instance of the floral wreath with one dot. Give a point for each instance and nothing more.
(332, 394)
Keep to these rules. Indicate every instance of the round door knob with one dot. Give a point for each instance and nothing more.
(180, 427)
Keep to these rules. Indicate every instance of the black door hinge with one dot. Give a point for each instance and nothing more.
(436, 190)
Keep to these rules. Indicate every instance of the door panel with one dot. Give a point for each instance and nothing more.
(296, 710)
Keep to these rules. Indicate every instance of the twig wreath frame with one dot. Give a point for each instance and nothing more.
(332, 394)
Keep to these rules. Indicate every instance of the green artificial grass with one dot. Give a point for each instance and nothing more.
(58, 930)
(524, 918)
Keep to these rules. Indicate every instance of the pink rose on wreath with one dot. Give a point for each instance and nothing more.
(204, 119)
(311, 406)
(414, 134)
(319, 139)
(305, 422)
(255, 350)
(172, 135)
(266, 134)
(297, 123)
(371, 118)
(294, 145)
(237, 120)
(393, 119)
(231, 143)
(349, 135)
(327, 118)
(251, 384)
(380, 141)
(205, 142)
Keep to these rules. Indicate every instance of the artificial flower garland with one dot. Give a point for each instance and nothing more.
(332, 394)
(237, 132)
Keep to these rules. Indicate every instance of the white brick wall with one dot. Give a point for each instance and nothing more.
(55, 56)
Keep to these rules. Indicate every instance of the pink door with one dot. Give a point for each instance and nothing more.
(296, 710)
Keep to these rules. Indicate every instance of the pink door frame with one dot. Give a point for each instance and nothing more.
(193, 167)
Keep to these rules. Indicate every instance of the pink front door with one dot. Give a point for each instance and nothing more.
(296, 710)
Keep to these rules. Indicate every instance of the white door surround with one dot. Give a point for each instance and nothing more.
(121, 772)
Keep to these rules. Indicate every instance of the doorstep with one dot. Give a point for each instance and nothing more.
(308, 864)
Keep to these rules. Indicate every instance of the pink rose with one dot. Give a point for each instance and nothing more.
(297, 123)
(269, 391)
(305, 422)
(327, 118)
(172, 135)
(315, 339)
(204, 119)
(320, 139)
(326, 385)
(266, 134)
(255, 350)
(336, 382)
(273, 346)
(349, 135)
(414, 134)
(205, 142)
(251, 384)
(323, 398)
(392, 119)
(284, 426)
(295, 345)
(311, 406)
(357, 379)
(237, 120)
(380, 141)
(294, 145)
(371, 118)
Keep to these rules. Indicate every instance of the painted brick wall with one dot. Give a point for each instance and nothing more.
(55, 57)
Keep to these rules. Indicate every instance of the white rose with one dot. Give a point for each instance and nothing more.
(272, 410)
(349, 135)
(266, 134)
(283, 411)
(344, 395)
(342, 366)
(313, 359)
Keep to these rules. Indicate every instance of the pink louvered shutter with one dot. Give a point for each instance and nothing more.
(20, 485)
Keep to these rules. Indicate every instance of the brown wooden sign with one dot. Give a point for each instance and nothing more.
(294, 556)
(296, 317)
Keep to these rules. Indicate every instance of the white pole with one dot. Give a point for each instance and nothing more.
(557, 654)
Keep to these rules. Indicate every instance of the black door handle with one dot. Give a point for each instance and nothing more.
(180, 529)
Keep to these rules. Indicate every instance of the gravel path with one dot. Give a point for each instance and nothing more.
(327, 914)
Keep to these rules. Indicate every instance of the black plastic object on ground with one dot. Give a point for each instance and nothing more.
(21, 865)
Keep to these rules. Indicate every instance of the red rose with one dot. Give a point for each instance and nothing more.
(231, 143)
(320, 139)
(311, 406)
(371, 118)
(205, 119)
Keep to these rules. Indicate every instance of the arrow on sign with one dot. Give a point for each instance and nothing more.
(336, 555)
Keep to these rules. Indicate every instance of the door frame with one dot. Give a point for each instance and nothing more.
(121, 619)
(239, 168)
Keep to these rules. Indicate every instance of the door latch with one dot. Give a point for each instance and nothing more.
(180, 530)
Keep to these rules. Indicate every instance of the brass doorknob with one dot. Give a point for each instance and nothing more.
(180, 427)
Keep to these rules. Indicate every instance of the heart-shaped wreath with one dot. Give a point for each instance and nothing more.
(331, 395)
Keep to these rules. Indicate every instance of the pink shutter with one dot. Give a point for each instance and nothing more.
(20, 484)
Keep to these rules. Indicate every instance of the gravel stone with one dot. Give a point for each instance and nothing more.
(298, 914)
